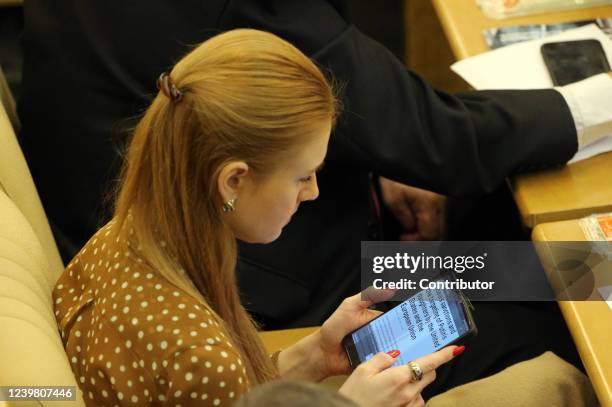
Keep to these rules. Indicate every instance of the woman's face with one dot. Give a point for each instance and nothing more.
(264, 205)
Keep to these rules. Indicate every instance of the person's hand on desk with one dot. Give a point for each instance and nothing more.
(421, 213)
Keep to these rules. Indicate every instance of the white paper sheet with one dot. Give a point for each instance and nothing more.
(520, 66)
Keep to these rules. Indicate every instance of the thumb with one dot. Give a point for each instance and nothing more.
(378, 363)
(371, 296)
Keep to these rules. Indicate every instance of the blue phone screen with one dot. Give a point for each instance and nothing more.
(424, 323)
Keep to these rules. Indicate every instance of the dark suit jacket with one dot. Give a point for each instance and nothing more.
(90, 69)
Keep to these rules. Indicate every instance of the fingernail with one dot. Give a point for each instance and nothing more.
(394, 353)
(458, 350)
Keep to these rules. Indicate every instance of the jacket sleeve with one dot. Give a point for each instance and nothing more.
(396, 125)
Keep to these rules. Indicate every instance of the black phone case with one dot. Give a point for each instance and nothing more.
(572, 61)
(468, 307)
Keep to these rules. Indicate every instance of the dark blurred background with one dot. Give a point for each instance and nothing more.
(381, 20)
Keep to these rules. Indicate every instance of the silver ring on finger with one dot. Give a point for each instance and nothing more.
(417, 372)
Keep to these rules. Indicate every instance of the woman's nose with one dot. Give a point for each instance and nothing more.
(312, 191)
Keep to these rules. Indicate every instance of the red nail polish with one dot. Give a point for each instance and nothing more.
(458, 350)
(394, 353)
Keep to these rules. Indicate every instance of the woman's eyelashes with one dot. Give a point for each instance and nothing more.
(306, 179)
(309, 177)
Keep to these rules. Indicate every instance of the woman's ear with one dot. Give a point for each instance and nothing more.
(232, 178)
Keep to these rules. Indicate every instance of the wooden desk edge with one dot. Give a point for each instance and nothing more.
(592, 365)
(528, 218)
(283, 338)
(11, 3)
(572, 318)
(538, 234)
(450, 30)
(532, 218)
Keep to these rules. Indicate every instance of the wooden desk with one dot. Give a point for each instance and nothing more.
(570, 192)
(11, 3)
(590, 322)
(558, 194)
(275, 340)
(281, 339)
(463, 23)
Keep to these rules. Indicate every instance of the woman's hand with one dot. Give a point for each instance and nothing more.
(375, 383)
(321, 354)
(353, 313)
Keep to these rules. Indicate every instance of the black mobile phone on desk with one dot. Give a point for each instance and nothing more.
(572, 61)
(424, 323)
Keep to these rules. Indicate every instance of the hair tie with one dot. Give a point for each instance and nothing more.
(168, 88)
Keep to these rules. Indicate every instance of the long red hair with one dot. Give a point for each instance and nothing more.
(247, 95)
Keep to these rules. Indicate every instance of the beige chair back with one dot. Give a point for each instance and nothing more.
(31, 351)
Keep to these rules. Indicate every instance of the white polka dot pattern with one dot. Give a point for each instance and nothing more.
(133, 339)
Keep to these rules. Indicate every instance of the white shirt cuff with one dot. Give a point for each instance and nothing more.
(590, 102)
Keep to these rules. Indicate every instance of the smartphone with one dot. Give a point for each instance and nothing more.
(573, 61)
(424, 323)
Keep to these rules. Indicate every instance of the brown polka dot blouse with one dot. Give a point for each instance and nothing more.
(133, 339)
